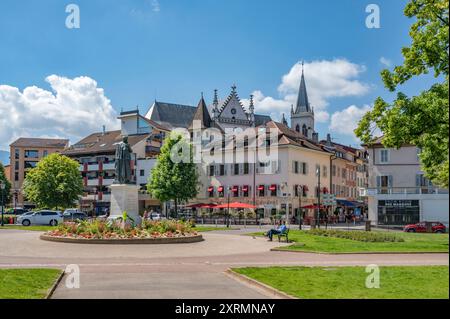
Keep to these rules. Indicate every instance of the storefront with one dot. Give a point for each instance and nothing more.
(398, 212)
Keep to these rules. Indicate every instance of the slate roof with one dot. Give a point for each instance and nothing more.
(172, 115)
(40, 142)
(99, 143)
(177, 115)
(302, 99)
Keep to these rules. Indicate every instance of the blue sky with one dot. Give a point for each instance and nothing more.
(171, 50)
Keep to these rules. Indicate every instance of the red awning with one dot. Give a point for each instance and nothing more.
(235, 189)
(235, 205)
(220, 189)
(261, 187)
(245, 188)
(273, 187)
(211, 189)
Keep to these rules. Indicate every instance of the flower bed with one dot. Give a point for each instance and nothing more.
(115, 230)
(357, 235)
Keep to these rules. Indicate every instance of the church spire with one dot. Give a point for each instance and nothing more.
(302, 100)
(284, 121)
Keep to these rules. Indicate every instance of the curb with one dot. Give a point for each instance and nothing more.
(360, 252)
(125, 241)
(55, 285)
(259, 285)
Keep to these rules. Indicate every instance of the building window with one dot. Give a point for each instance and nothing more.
(324, 171)
(304, 130)
(235, 191)
(29, 164)
(16, 153)
(236, 169)
(384, 156)
(16, 165)
(211, 170)
(297, 128)
(261, 190)
(31, 154)
(344, 173)
(245, 190)
(296, 167)
(142, 172)
(398, 212)
(45, 153)
(16, 176)
(246, 168)
(304, 168)
(221, 170)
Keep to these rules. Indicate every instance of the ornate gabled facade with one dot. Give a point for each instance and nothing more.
(232, 113)
(302, 117)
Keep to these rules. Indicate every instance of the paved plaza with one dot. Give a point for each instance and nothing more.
(176, 270)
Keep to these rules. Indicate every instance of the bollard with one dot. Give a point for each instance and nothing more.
(368, 225)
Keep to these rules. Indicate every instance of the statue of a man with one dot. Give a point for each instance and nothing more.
(123, 162)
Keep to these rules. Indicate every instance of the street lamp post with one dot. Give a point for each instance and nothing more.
(300, 193)
(2, 189)
(318, 197)
(228, 207)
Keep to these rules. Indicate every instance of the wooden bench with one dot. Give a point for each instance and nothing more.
(284, 234)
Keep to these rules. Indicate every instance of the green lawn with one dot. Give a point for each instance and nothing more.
(30, 228)
(413, 243)
(26, 283)
(211, 228)
(421, 282)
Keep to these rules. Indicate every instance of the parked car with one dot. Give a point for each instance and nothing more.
(16, 211)
(43, 217)
(436, 227)
(156, 216)
(74, 214)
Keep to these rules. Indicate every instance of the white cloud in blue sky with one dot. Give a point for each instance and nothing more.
(345, 121)
(325, 79)
(386, 62)
(74, 108)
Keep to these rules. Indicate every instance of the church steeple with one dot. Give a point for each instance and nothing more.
(302, 99)
(284, 121)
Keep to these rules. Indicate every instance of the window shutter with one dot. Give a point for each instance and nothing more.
(418, 180)
(390, 180)
(241, 169)
(293, 167)
(378, 181)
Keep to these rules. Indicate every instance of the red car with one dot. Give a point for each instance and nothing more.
(422, 228)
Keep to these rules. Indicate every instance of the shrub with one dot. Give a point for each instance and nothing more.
(357, 235)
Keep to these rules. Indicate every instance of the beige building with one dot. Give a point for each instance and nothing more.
(25, 153)
(398, 193)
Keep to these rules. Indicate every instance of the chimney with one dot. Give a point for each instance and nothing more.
(315, 137)
(329, 143)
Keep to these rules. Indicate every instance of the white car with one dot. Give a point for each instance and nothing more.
(43, 217)
(156, 216)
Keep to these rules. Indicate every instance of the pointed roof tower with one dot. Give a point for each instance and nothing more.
(302, 100)
(284, 121)
(202, 115)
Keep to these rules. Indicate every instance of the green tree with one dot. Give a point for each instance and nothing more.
(55, 182)
(422, 120)
(174, 179)
(7, 190)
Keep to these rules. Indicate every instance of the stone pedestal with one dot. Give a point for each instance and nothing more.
(125, 197)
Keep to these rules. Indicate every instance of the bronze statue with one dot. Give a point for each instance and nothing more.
(123, 162)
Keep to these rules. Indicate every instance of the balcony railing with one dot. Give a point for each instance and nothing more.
(402, 191)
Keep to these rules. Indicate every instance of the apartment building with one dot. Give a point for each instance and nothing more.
(96, 155)
(398, 193)
(25, 153)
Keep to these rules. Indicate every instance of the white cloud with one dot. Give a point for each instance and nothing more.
(155, 6)
(73, 109)
(345, 122)
(325, 79)
(386, 62)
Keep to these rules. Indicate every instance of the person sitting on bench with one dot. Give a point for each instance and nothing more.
(280, 230)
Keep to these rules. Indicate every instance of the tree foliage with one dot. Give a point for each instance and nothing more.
(422, 120)
(7, 190)
(55, 182)
(171, 180)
